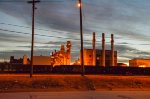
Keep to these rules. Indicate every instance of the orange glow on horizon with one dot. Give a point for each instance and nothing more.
(142, 66)
(79, 62)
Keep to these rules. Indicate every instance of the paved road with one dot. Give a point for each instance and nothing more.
(78, 95)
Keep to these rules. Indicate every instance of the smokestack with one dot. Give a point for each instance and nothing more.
(68, 52)
(62, 48)
(94, 51)
(103, 49)
(112, 50)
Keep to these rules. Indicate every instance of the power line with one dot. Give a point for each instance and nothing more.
(56, 31)
(26, 1)
(60, 37)
(52, 1)
(42, 35)
(35, 28)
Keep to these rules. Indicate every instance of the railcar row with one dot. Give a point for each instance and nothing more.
(74, 69)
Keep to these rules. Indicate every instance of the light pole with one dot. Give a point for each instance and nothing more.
(32, 42)
(81, 36)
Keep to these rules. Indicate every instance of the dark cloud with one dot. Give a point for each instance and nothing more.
(123, 43)
(130, 52)
(125, 18)
(20, 53)
(55, 42)
(144, 44)
(118, 16)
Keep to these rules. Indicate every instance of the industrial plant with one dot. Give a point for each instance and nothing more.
(92, 57)
(100, 57)
(96, 61)
(137, 62)
(61, 57)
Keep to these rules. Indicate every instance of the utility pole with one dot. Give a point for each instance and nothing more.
(81, 36)
(32, 42)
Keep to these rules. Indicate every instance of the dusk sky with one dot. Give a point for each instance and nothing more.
(57, 21)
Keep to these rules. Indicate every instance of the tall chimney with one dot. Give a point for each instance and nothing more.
(62, 48)
(112, 50)
(94, 51)
(68, 52)
(103, 49)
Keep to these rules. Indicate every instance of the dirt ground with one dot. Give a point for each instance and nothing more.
(54, 83)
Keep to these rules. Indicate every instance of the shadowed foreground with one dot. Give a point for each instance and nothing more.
(79, 95)
(51, 83)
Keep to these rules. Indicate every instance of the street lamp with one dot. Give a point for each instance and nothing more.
(79, 5)
(81, 36)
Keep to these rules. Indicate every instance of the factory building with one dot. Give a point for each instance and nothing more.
(100, 57)
(42, 60)
(15, 61)
(88, 57)
(61, 57)
(25, 60)
(108, 58)
(139, 62)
